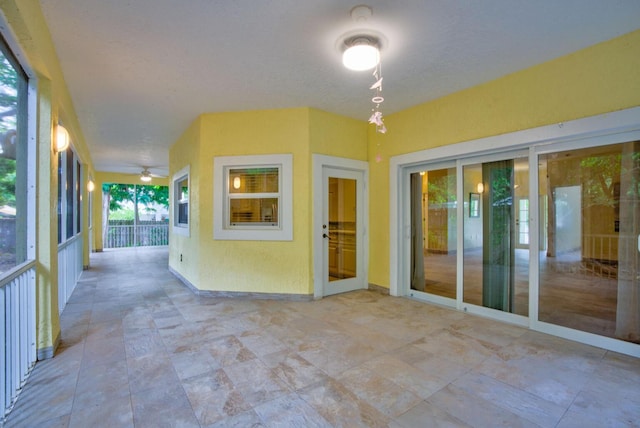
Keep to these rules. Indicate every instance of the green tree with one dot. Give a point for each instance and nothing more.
(115, 197)
(8, 109)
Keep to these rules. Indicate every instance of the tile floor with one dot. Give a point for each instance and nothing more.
(139, 349)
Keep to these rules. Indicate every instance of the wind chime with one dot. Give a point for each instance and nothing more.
(376, 115)
(363, 53)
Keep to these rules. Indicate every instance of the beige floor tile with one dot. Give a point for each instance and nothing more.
(514, 400)
(386, 396)
(163, 407)
(294, 370)
(214, 398)
(341, 407)
(256, 382)
(420, 382)
(475, 411)
(139, 348)
(242, 420)
(425, 414)
(290, 411)
(114, 413)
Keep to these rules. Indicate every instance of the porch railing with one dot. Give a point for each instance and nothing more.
(126, 234)
(17, 332)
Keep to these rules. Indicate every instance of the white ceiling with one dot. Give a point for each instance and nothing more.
(140, 71)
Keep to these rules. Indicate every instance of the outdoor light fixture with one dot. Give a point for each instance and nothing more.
(145, 176)
(480, 188)
(90, 186)
(362, 53)
(62, 138)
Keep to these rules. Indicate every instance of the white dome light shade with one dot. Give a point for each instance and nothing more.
(62, 138)
(363, 55)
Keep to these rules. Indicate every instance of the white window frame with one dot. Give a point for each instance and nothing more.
(222, 228)
(182, 229)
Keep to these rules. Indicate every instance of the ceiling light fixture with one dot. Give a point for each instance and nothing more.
(145, 176)
(362, 53)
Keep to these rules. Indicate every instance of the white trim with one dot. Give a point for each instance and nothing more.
(318, 163)
(534, 238)
(609, 128)
(32, 179)
(284, 230)
(12, 41)
(180, 229)
(604, 342)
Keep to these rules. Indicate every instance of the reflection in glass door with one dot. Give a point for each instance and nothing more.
(590, 271)
(522, 222)
(495, 268)
(342, 228)
(433, 232)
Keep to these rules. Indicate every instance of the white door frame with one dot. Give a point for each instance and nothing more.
(318, 164)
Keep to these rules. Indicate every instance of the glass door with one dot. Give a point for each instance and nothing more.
(495, 261)
(341, 231)
(434, 232)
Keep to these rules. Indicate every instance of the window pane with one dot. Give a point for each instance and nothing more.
(183, 187)
(590, 221)
(78, 198)
(253, 180)
(434, 236)
(181, 194)
(183, 213)
(70, 191)
(254, 211)
(13, 162)
(496, 250)
(60, 181)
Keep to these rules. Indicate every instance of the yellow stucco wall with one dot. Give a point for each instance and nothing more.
(186, 153)
(256, 266)
(596, 80)
(334, 135)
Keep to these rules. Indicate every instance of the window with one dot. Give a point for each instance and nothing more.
(78, 197)
(70, 192)
(181, 202)
(253, 198)
(69, 195)
(15, 158)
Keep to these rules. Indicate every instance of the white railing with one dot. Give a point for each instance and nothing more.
(17, 331)
(69, 269)
(600, 255)
(141, 235)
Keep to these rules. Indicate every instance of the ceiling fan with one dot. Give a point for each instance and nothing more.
(146, 175)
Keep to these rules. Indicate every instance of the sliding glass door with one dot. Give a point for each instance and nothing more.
(545, 235)
(434, 232)
(495, 264)
(590, 268)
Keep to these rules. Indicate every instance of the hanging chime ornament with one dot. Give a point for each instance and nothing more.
(376, 115)
(363, 53)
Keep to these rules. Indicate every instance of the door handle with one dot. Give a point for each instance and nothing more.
(324, 235)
